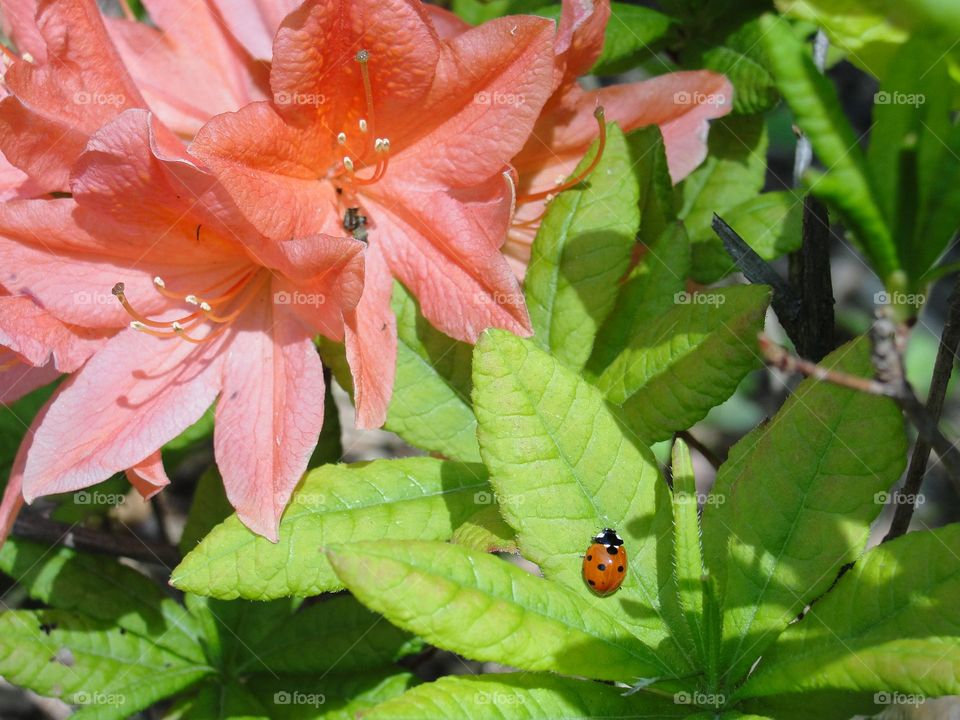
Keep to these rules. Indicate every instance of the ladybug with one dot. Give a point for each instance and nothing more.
(605, 563)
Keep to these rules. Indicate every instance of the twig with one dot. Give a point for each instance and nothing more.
(30, 526)
(706, 452)
(943, 366)
(890, 381)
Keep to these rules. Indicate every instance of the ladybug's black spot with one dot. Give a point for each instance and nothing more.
(591, 582)
(601, 567)
(589, 557)
(612, 549)
(620, 568)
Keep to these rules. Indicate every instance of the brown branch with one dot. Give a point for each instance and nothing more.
(707, 454)
(890, 381)
(31, 526)
(905, 497)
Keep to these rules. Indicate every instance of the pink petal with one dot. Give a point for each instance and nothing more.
(38, 336)
(446, 23)
(61, 101)
(148, 476)
(269, 414)
(580, 36)
(20, 24)
(21, 378)
(371, 343)
(314, 57)
(272, 170)
(192, 68)
(490, 85)
(254, 22)
(136, 394)
(445, 247)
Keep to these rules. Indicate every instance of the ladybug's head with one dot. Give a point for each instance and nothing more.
(608, 537)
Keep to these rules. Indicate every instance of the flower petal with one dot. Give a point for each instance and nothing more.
(490, 85)
(254, 23)
(63, 99)
(269, 415)
(371, 343)
(148, 476)
(445, 247)
(580, 36)
(136, 394)
(21, 378)
(19, 19)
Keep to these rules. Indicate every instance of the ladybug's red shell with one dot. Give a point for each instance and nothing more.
(605, 563)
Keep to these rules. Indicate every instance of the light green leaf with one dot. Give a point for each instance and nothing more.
(486, 531)
(846, 186)
(106, 591)
(734, 171)
(110, 672)
(385, 500)
(649, 292)
(512, 695)
(582, 250)
(487, 609)
(688, 555)
(795, 500)
(430, 405)
(685, 361)
(563, 470)
(891, 623)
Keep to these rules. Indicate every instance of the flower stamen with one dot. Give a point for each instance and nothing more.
(581, 176)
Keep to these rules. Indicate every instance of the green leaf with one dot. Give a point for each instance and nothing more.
(487, 609)
(846, 186)
(337, 634)
(648, 156)
(688, 555)
(913, 153)
(582, 250)
(633, 34)
(649, 292)
(386, 500)
(890, 624)
(88, 662)
(733, 172)
(741, 57)
(430, 405)
(486, 531)
(770, 223)
(795, 500)
(531, 696)
(685, 361)
(106, 591)
(564, 470)
(476, 12)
